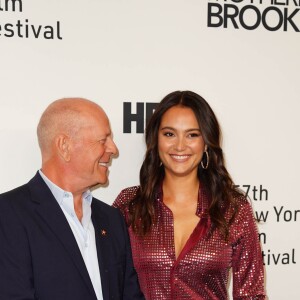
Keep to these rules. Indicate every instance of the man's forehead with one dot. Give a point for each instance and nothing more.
(97, 127)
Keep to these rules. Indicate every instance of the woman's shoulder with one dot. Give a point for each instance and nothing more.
(243, 202)
(245, 211)
(125, 197)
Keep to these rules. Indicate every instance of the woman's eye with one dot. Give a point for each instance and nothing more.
(194, 134)
(168, 134)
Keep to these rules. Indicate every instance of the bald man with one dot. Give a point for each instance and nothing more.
(57, 242)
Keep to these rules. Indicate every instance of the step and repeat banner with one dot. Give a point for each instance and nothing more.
(241, 56)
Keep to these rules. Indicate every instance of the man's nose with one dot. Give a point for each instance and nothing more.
(111, 147)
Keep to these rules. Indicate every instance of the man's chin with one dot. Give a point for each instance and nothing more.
(103, 182)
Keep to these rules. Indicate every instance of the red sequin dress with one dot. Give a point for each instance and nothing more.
(201, 271)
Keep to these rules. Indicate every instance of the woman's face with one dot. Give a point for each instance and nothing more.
(180, 142)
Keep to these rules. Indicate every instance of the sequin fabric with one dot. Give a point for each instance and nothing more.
(201, 271)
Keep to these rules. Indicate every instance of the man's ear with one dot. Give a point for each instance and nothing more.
(63, 147)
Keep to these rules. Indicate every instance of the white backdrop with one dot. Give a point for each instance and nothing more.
(138, 51)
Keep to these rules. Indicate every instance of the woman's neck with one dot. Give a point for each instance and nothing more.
(180, 189)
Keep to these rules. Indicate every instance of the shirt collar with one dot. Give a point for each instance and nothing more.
(60, 195)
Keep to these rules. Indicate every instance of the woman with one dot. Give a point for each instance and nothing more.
(188, 224)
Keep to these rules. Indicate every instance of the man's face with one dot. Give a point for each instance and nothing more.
(91, 151)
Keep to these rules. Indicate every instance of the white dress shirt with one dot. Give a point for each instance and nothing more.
(83, 231)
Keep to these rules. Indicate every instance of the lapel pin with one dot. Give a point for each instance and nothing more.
(103, 232)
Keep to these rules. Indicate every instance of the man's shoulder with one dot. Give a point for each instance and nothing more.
(14, 202)
(101, 206)
(14, 194)
(23, 190)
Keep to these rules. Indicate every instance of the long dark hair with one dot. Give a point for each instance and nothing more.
(215, 178)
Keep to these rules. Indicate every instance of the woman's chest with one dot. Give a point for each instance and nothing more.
(157, 251)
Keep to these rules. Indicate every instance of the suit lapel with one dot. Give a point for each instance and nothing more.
(101, 226)
(50, 211)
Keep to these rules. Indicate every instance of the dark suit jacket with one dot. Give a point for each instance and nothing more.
(39, 256)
